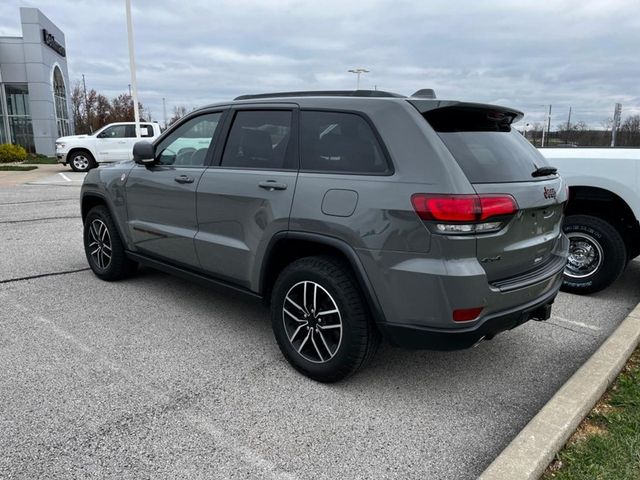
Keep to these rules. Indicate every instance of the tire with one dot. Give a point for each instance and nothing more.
(312, 343)
(103, 246)
(597, 254)
(81, 161)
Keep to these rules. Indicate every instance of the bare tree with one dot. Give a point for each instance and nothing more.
(179, 111)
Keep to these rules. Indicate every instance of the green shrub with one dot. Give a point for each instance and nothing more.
(12, 153)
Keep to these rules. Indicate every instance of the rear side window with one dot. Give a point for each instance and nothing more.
(485, 146)
(260, 139)
(146, 130)
(339, 142)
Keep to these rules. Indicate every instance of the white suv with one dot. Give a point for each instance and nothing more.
(112, 143)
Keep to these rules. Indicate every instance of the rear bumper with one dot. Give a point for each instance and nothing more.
(415, 337)
(418, 295)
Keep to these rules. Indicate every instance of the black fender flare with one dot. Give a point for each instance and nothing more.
(344, 248)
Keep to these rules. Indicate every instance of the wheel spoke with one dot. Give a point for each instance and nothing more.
(315, 296)
(95, 251)
(329, 327)
(327, 312)
(324, 342)
(293, 316)
(296, 305)
(304, 341)
(313, 341)
(304, 294)
(295, 334)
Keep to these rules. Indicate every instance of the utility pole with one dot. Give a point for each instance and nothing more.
(616, 123)
(164, 111)
(86, 105)
(358, 72)
(568, 126)
(132, 66)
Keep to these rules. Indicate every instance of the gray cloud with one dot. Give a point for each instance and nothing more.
(524, 54)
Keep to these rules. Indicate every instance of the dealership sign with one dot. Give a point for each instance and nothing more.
(51, 42)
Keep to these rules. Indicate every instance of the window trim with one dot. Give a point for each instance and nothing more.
(208, 159)
(385, 152)
(294, 138)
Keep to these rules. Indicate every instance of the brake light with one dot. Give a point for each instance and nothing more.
(464, 213)
(466, 314)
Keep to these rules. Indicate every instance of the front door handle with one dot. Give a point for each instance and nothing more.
(184, 179)
(272, 185)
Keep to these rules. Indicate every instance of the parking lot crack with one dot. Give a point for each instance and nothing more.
(42, 275)
(39, 219)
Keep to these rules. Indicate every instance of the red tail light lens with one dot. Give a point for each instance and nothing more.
(466, 314)
(462, 208)
(495, 206)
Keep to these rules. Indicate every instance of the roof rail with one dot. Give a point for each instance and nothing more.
(324, 93)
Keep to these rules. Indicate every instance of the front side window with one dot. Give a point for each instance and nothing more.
(19, 116)
(339, 142)
(187, 145)
(260, 139)
(117, 131)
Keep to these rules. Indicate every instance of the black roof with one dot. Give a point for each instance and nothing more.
(324, 93)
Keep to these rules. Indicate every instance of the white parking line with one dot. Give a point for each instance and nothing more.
(64, 176)
(578, 324)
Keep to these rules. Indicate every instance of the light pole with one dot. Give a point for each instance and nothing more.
(358, 72)
(548, 122)
(164, 111)
(132, 66)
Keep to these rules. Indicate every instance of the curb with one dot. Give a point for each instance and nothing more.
(530, 452)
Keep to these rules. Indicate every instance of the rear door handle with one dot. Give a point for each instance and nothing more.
(183, 179)
(272, 185)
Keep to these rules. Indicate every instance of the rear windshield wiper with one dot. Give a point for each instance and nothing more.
(544, 171)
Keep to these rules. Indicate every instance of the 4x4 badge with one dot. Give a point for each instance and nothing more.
(549, 192)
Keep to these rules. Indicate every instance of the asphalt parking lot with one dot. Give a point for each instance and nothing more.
(156, 377)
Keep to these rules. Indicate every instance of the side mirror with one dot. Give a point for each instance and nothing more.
(143, 153)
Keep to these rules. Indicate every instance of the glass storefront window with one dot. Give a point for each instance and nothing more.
(18, 116)
(60, 101)
(3, 137)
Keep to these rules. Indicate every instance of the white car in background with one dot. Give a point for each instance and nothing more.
(602, 217)
(112, 143)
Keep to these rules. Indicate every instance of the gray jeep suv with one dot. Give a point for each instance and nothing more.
(355, 215)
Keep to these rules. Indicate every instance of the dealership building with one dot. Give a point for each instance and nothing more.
(34, 85)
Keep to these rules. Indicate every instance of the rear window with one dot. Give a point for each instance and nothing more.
(485, 146)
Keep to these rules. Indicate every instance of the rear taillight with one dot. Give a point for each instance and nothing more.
(457, 214)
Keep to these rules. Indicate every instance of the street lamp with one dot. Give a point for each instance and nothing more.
(358, 72)
(132, 66)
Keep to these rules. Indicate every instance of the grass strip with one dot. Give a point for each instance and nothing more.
(607, 443)
(16, 168)
(40, 161)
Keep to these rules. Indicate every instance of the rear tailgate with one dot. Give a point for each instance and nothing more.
(497, 160)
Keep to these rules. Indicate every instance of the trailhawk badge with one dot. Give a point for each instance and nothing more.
(549, 192)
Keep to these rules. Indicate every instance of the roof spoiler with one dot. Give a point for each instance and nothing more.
(425, 93)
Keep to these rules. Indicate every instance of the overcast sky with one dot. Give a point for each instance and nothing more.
(524, 54)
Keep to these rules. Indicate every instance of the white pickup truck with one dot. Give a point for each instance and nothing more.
(602, 214)
(112, 143)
